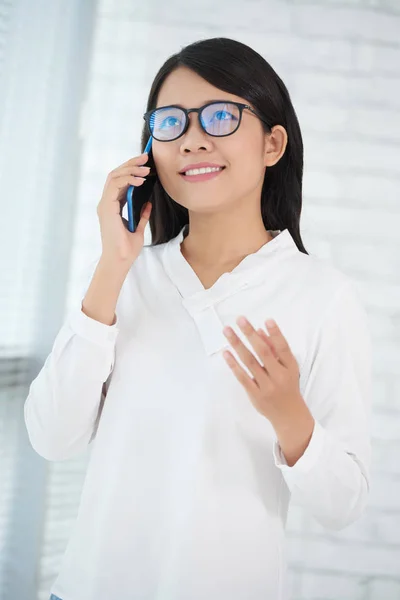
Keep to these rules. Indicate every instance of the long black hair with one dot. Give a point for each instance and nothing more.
(236, 68)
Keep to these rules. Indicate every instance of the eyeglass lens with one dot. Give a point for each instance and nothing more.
(218, 119)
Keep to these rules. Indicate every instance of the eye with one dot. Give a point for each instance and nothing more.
(169, 122)
(223, 115)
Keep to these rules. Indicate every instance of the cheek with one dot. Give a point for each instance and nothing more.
(244, 156)
(160, 161)
(165, 155)
(247, 170)
(164, 161)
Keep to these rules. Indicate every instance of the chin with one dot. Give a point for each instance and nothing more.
(205, 205)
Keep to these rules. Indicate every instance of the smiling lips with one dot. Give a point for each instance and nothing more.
(199, 165)
(202, 173)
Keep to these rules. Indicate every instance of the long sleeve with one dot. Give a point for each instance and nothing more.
(64, 399)
(331, 478)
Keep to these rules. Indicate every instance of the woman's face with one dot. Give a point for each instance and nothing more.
(244, 154)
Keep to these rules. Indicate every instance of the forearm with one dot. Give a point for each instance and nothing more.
(329, 480)
(64, 399)
(295, 432)
(102, 295)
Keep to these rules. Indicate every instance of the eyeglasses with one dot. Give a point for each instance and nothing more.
(219, 119)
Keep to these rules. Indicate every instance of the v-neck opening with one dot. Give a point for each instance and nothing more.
(251, 266)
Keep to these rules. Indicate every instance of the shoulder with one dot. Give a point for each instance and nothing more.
(323, 293)
(150, 258)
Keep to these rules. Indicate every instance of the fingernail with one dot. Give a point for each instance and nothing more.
(270, 323)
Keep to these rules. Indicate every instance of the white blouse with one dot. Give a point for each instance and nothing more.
(187, 491)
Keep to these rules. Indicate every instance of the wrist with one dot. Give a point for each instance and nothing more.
(116, 269)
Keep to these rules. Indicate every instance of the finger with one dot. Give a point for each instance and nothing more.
(280, 343)
(136, 160)
(137, 170)
(144, 219)
(247, 357)
(268, 341)
(123, 183)
(248, 383)
(125, 180)
(263, 350)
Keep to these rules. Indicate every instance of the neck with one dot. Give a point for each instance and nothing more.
(218, 240)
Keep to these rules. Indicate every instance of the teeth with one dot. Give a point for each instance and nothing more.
(203, 170)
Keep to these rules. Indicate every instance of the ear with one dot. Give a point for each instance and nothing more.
(275, 145)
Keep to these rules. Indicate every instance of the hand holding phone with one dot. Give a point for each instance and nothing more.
(119, 245)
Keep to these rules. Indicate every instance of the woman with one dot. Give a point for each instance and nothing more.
(202, 425)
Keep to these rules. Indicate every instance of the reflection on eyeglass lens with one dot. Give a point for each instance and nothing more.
(216, 119)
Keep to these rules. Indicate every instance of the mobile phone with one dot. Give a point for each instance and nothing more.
(136, 197)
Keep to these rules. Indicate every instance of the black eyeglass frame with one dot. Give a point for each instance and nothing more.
(187, 111)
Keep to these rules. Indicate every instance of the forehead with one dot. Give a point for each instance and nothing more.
(187, 89)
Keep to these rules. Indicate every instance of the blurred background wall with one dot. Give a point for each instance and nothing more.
(74, 79)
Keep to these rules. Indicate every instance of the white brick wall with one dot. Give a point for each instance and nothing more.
(341, 63)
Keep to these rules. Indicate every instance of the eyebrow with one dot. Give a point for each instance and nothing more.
(208, 102)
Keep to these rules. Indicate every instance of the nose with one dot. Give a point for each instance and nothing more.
(195, 137)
